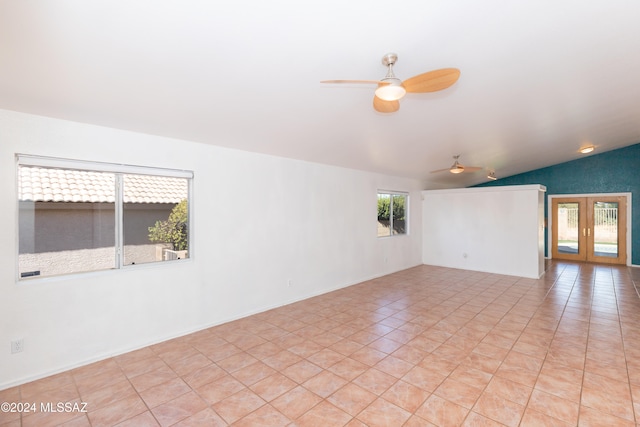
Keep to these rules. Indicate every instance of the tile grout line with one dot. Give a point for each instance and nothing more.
(624, 345)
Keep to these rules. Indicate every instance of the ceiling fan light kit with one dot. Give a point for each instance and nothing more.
(456, 167)
(391, 92)
(391, 89)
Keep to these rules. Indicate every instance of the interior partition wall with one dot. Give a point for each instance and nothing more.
(496, 230)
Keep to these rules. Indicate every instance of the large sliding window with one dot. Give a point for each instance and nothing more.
(392, 213)
(77, 216)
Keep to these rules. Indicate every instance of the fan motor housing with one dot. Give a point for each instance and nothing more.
(389, 59)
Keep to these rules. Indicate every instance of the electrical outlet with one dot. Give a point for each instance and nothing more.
(17, 346)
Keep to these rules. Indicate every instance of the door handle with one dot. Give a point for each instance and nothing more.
(584, 232)
(589, 232)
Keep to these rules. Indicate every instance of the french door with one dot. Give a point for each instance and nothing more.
(590, 229)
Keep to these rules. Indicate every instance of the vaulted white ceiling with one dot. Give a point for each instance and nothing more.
(538, 79)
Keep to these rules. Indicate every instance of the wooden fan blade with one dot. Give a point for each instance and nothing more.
(432, 81)
(440, 170)
(383, 106)
(472, 168)
(352, 81)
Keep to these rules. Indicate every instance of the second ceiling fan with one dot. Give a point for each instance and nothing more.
(391, 89)
(456, 167)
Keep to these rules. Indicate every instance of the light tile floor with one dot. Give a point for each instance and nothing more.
(425, 346)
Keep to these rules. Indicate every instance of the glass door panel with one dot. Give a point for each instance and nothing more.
(568, 230)
(605, 229)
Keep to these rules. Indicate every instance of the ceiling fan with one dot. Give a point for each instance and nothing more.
(458, 168)
(391, 89)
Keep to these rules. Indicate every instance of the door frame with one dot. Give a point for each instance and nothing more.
(550, 198)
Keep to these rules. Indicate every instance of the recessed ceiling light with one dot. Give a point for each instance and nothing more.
(588, 149)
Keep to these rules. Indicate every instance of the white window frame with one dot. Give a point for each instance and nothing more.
(392, 193)
(118, 170)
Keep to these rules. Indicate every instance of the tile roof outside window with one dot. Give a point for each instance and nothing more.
(66, 185)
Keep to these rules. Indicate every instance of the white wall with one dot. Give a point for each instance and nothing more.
(259, 221)
(492, 229)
